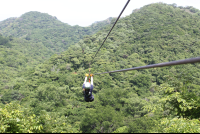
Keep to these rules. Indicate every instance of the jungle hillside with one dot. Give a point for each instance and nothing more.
(45, 95)
(33, 38)
(47, 30)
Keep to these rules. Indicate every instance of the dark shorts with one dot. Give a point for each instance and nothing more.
(88, 100)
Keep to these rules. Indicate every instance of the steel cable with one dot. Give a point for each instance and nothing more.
(178, 62)
(109, 31)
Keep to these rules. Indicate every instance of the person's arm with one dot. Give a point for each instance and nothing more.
(92, 80)
(85, 79)
(84, 82)
(86, 75)
(92, 86)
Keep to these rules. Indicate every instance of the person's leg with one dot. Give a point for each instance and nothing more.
(87, 100)
(92, 100)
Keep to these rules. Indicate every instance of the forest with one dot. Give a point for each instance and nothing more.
(41, 92)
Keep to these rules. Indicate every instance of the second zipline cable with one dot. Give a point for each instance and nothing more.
(178, 62)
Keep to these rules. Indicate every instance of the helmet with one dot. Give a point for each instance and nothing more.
(87, 85)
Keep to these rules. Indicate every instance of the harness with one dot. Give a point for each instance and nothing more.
(87, 93)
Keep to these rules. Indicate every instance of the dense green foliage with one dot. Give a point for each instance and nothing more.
(39, 36)
(154, 100)
(16, 56)
(47, 30)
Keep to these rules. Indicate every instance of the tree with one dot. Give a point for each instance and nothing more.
(101, 120)
(14, 120)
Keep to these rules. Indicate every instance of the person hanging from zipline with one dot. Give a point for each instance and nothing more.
(88, 88)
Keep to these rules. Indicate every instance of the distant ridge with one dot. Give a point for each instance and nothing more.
(48, 30)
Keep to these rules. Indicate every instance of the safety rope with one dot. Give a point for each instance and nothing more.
(178, 62)
(109, 31)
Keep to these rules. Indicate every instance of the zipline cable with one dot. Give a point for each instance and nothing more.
(178, 62)
(109, 31)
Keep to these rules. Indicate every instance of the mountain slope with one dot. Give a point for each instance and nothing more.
(153, 34)
(52, 33)
(39, 36)
(18, 55)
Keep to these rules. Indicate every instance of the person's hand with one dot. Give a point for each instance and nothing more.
(91, 75)
(86, 75)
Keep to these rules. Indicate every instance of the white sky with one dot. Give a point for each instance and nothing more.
(80, 12)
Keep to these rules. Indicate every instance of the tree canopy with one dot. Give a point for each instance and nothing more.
(46, 95)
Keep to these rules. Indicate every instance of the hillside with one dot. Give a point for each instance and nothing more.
(17, 56)
(153, 100)
(35, 37)
(47, 30)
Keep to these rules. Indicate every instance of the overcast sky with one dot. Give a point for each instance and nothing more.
(80, 12)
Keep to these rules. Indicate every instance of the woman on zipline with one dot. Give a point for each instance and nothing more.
(88, 88)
